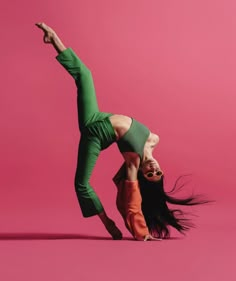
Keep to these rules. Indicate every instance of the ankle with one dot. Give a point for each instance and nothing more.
(56, 42)
(104, 218)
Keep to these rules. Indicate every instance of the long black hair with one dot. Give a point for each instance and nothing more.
(155, 208)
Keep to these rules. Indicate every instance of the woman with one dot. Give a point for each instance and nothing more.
(98, 131)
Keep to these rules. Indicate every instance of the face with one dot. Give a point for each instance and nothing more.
(151, 170)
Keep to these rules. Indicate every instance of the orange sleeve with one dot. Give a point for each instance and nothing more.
(129, 205)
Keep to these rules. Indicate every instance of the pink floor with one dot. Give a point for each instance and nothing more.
(55, 253)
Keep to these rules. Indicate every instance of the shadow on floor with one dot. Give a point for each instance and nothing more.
(49, 236)
(60, 236)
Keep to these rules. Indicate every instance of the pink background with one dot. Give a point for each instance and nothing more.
(171, 65)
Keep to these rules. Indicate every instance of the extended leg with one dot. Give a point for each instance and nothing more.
(87, 102)
(86, 99)
(89, 148)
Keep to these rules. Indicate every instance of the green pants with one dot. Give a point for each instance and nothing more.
(96, 131)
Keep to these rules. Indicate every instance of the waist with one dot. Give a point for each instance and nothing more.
(102, 131)
(121, 124)
(134, 139)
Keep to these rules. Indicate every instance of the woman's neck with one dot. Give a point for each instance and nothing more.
(147, 155)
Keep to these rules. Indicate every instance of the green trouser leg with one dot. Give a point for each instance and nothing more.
(90, 145)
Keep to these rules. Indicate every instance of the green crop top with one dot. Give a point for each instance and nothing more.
(134, 139)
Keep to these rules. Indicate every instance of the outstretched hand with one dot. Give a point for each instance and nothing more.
(150, 237)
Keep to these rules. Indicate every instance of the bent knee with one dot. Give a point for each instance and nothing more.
(83, 189)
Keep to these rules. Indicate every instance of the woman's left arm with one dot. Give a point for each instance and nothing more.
(129, 198)
(128, 170)
(132, 162)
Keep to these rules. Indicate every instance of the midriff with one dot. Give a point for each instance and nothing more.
(121, 124)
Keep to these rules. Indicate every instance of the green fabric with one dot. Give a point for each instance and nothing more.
(96, 130)
(88, 111)
(134, 139)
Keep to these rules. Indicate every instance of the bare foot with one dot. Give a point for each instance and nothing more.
(49, 33)
(50, 37)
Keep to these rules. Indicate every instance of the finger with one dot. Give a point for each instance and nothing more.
(146, 238)
(156, 238)
(152, 238)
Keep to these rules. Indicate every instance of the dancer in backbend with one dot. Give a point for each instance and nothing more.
(145, 213)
